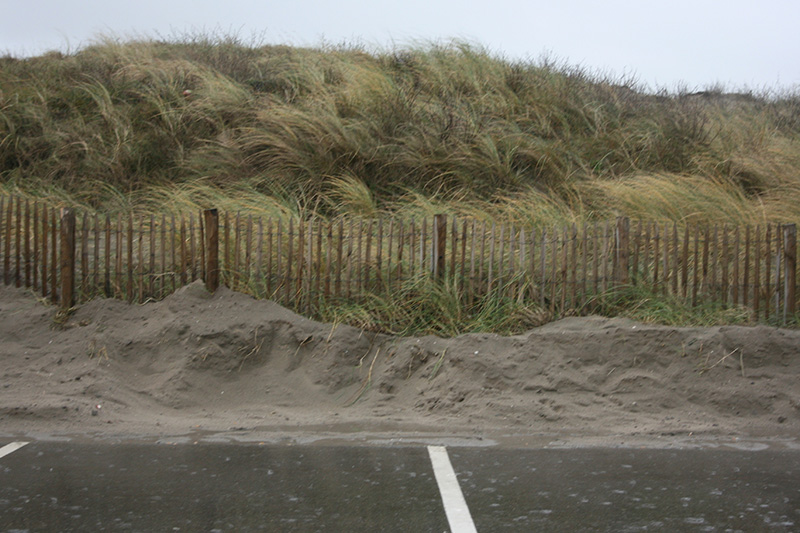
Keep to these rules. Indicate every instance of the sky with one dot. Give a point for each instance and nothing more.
(686, 44)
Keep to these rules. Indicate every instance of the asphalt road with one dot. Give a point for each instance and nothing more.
(104, 486)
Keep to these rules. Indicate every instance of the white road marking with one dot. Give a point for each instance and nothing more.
(455, 506)
(8, 448)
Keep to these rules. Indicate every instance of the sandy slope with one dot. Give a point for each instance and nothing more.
(197, 362)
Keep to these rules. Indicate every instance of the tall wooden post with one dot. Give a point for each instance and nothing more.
(67, 258)
(211, 219)
(439, 245)
(621, 253)
(790, 269)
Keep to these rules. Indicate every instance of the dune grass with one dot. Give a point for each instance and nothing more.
(196, 121)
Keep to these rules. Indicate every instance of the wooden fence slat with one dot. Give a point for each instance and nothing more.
(596, 258)
(202, 243)
(514, 267)
(490, 271)
(27, 243)
(140, 265)
(522, 266)
(621, 255)
(301, 266)
(564, 268)
(96, 259)
(270, 294)
(289, 261)
(184, 259)
(605, 257)
(585, 269)
(675, 257)
(248, 250)
(695, 270)
(45, 229)
(736, 251)
(757, 272)
(767, 271)
(790, 270)
(378, 255)
(401, 241)
(553, 272)
(278, 273)
(7, 242)
(365, 282)
(85, 256)
(499, 275)
(319, 257)
(574, 268)
(463, 254)
(777, 293)
(173, 230)
(685, 263)
(339, 265)
(54, 267)
(422, 248)
(67, 258)
(350, 244)
(453, 247)
(35, 257)
(666, 265)
(151, 287)
(211, 247)
(439, 245)
(715, 251)
(725, 281)
(129, 285)
(328, 259)
(237, 241)
(746, 282)
(307, 296)
(637, 237)
(162, 285)
(259, 282)
(706, 252)
(18, 243)
(542, 282)
(192, 255)
(482, 260)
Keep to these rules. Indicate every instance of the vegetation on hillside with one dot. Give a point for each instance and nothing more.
(202, 121)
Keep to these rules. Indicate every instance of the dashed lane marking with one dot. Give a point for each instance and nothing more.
(455, 506)
(9, 448)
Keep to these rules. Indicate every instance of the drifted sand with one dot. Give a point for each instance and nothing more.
(227, 364)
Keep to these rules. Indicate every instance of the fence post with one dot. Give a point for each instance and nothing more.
(439, 245)
(621, 253)
(211, 219)
(67, 258)
(790, 269)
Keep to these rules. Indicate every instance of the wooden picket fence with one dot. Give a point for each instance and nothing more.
(70, 257)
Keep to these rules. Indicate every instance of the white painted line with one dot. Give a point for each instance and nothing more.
(455, 506)
(8, 448)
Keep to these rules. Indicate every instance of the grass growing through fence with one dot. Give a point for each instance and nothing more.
(196, 121)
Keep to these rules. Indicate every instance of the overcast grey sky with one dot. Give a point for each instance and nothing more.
(739, 43)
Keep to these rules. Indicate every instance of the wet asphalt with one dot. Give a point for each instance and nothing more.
(210, 487)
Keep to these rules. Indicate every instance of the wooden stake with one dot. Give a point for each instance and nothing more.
(211, 245)
(67, 258)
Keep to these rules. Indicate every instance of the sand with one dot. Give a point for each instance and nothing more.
(226, 364)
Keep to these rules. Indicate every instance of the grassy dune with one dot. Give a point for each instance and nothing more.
(274, 130)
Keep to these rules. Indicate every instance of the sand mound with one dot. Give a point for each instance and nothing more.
(226, 361)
